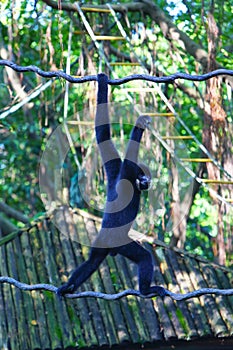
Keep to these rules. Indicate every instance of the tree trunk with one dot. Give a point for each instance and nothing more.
(214, 133)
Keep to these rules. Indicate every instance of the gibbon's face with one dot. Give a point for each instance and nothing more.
(143, 182)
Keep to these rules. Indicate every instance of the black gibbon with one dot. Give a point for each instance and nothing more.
(125, 181)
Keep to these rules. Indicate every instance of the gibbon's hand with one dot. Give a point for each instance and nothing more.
(143, 121)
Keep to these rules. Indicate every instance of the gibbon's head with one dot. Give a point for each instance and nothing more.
(143, 181)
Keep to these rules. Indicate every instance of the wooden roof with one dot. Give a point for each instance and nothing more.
(38, 320)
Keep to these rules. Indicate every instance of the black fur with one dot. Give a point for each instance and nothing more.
(125, 179)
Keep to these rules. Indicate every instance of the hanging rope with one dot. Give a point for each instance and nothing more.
(166, 79)
(163, 292)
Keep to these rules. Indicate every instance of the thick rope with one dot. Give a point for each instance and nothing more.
(90, 294)
(72, 79)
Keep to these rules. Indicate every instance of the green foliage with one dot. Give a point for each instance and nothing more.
(202, 225)
(205, 212)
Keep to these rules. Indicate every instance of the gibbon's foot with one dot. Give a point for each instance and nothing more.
(156, 290)
(66, 288)
(143, 121)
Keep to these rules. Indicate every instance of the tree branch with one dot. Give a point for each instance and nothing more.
(132, 6)
(171, 32)
(6, 226)
(13, 213)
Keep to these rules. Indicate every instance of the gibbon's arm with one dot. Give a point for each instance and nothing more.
(133, 146)
(102, 123)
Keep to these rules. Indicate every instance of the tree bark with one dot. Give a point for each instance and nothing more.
(214, 132)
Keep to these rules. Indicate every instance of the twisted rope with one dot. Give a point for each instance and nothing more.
(90, 294)
(166, 79)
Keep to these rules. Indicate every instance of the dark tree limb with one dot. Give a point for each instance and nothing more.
(68, 6)
(6, 226)
(13, 213)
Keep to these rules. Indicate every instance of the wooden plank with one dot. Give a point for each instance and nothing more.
(157, 114)
(114, 311)
(81, 307)
(180, 137)
(83, 32)
(220, 182)
(27, 299)
(3, 319)
(161, 308)
(220, 301)
(152, 319)
(168, 319)
(29, 241)
(215, 319)
(203, 326)
(40, 252)
(207, 302)
(182, 280)
(226, 283)
(196, 160)
(8, 323)
(193, 305)
(21, 332)
(66, 246)
(116, 278)
(179, 324)
(149, 314)
(97, 310)
(132, 304)
(81, 122)
(126, 64)
(63, 323)
(125, 325)
(103, 313)
(108, 38)
(95, 9)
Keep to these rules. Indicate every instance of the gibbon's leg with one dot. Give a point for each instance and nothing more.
(84, 271)
(142, 257)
